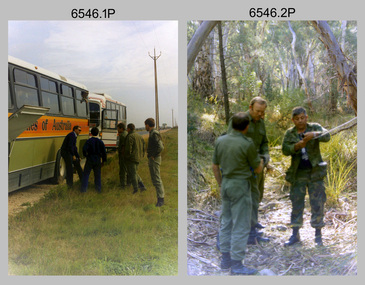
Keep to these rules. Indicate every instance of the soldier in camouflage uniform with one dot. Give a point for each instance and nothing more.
(154, 149)
(134, 151)
(307, 170)
(234, 155)
(122, 132)
(257, 132)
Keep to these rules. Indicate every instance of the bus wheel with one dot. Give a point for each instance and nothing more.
(60, 169)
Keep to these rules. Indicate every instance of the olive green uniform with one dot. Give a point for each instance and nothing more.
(134, 152)
(154, 149)
(257, 132)
(122, 162)
(303, 175)
(235, 154)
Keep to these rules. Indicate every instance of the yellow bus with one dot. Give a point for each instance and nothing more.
(105, 114)
(43, 107)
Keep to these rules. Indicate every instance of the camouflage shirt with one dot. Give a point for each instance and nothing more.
(235, 154)
(134, 147)
(257, 132)
(155, 144)
(121, 143)
(291, 137)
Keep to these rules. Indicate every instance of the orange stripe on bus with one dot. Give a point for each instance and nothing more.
(54, 126)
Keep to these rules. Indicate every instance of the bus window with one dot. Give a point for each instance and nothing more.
(68, 107)
(51, 100)
(81, 106)
(10, 99)
(23, 77)
(110, 118)
(49, 95)
(48, 85)
(94, 114)
(26, 94)
(124, 112)
(66, 90)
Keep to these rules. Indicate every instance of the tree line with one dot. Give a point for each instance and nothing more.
(232, 61)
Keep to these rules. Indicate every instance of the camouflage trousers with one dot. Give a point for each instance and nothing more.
(235, 217)
(317, 198)
(123, 173)
(255, 196)
(132, 171)
(257, 193)
(154, 166)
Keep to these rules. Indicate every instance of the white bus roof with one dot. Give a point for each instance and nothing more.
(103, 97)
(43, 71)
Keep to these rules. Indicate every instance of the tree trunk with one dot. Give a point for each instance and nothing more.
(224, 77)
(343, 28)
(300, 72)
(197, 41)
(347, 74)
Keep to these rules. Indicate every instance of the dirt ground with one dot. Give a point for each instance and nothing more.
(25, 197)
(338, 255)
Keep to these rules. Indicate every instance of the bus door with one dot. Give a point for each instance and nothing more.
(94, 109)
(22, 119)
(109, 128)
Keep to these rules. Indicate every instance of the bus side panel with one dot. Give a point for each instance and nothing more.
(29, 176)
(110, 138)
(33, 160)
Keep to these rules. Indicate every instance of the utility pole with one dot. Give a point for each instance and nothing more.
(172, 119)
(154, 57)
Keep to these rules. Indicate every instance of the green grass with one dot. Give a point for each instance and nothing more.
(112, 233)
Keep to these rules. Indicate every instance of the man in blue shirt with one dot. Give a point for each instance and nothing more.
(95, 153)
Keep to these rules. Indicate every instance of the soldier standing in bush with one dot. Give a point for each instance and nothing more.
(307, 170)
(154, 149)
(257, 132)
(234, 155)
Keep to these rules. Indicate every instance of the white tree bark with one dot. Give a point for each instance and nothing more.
(197, 41)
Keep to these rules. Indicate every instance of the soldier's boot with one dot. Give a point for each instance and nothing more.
(294, 238)
(259, 226)
(318, 237)
(141, 186)
(254, 237)
(226, 260)
(160, 202)
(135, 191)
(237, 268)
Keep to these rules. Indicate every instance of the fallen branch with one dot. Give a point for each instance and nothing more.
(202, 220)
(199, 242)
(287, 270)
(202, 212)
(202, 259)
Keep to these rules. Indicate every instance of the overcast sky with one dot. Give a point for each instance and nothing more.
(107, 56)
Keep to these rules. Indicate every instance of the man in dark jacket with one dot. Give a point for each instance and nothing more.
(307, 170)
(71, 156)
(95, 153)
(154, 149)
